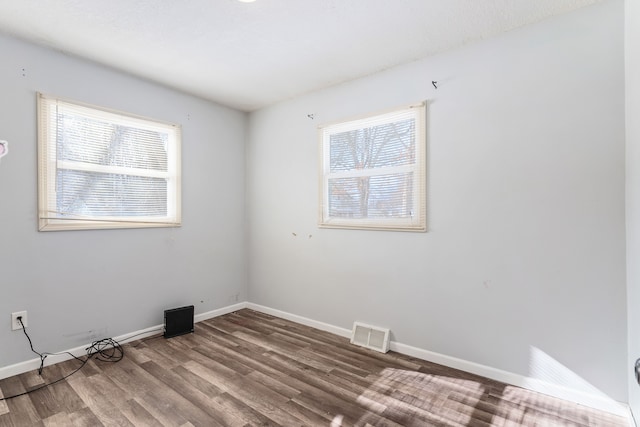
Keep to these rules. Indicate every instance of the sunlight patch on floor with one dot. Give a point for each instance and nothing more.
(337, 421)
(440, 399)
(4, 409)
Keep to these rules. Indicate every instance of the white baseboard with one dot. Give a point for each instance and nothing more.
(302, 320)
(591, 400)
(30, 365)
(578, 396)
(588, 399)
(219, 312)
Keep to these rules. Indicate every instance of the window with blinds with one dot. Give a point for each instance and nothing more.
(373, 172)
(105, 169)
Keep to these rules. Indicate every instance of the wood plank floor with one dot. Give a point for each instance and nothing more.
(250, 369)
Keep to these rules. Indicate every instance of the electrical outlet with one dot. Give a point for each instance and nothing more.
(15, 324)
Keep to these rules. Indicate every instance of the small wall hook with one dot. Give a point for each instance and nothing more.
(433, 82)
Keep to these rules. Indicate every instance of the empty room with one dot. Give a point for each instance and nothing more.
(322, 212)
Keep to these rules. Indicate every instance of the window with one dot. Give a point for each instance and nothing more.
(373, 172)
(105, 169)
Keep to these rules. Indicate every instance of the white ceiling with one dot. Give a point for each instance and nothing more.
(250, 55)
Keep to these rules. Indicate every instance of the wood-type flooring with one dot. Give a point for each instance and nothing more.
(251, 369)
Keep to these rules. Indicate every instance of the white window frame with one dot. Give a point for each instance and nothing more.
(50, 219)
(417, 221)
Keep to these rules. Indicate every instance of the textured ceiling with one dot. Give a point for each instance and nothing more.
(250, 55)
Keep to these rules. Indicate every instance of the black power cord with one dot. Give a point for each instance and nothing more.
(43, 356)
(104, 350)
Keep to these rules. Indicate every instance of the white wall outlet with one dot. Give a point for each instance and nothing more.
(15, 324)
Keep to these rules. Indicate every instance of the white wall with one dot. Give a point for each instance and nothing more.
(525, 254)
(632, 56)
(115, 281)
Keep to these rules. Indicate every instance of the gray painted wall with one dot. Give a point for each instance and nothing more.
(523, 267)
(632, 56)
(115, 281)
(525, 254)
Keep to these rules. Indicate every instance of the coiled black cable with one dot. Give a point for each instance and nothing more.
(104, 350)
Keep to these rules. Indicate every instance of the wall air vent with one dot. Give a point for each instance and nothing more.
(371, 337)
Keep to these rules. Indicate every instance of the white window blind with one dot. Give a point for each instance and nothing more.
(105, 169)
(373, 172)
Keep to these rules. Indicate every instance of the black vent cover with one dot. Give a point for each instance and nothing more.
(178, 321)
